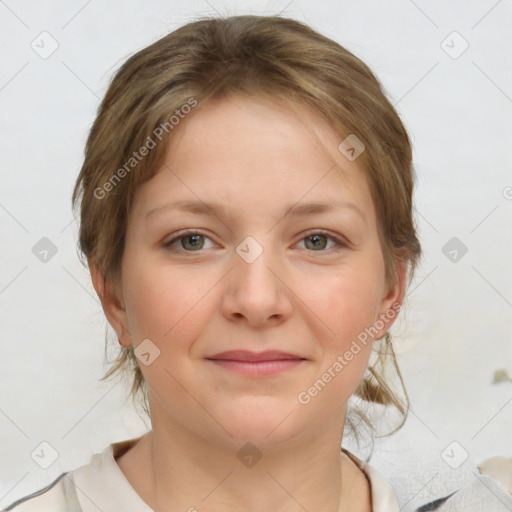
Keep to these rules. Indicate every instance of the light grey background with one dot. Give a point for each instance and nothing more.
(456, 331)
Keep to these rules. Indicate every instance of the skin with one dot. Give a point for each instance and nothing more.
(255, 158)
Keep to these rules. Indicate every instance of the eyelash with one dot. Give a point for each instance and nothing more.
(340, 244)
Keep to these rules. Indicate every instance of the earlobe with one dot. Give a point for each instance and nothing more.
(113, 306)
(392, 301)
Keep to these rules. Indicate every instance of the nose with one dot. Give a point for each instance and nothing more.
(256, 290)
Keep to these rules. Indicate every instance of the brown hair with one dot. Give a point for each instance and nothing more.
(214, 58)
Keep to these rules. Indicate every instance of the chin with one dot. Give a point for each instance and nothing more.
(261, 422)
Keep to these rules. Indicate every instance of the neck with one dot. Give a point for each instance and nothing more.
(173, 468)
(207, 478)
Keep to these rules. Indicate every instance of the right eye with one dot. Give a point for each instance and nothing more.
(189, 241)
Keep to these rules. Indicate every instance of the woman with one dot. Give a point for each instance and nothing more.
(246, 216)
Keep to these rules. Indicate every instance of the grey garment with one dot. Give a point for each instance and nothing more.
(455, 491)
(483, 494)
(61, 497)
(480, 494)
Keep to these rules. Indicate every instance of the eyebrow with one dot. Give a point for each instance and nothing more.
(218, 209)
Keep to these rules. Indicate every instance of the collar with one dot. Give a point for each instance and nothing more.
(383, 496)
(101, 485)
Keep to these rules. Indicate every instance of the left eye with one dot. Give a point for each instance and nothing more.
(319, 240)
(194, 241)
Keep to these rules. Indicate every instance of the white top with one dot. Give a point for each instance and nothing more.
(101, 485)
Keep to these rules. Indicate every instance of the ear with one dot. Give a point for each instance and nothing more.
(392, 301)
(112, 304)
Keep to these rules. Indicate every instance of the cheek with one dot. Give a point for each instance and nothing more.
(162, 304)
(345, 352)
(346, 306)
(345, 302)
(166, 308)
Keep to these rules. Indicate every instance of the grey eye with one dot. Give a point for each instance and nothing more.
(318, 241)
(196, 241)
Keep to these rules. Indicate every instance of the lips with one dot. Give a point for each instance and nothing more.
(246, 355)
(256, 364)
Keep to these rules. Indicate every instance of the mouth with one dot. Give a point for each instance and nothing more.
(254, 364)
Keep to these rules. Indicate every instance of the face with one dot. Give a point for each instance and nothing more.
(253, 275)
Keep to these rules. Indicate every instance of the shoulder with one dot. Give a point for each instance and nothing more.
(101, 478)
(383, 496)
(58, 496)
(487, 489)
(482, 495)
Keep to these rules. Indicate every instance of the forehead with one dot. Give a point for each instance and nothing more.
(257, 128)
(258, 153)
